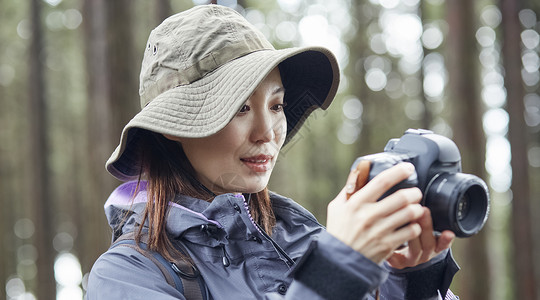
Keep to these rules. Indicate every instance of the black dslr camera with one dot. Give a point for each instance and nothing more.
(458, 202)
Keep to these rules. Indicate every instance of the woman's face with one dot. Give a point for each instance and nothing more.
(241, 157)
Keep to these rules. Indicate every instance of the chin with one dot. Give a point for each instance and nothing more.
(235, 183)
(256, 186)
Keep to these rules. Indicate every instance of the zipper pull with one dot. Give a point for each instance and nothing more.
(225, 260)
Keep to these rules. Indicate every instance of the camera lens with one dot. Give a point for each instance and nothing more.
(473, 209)
(462, 207)
(458, 202)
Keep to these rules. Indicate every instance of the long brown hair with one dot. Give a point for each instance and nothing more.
(168, 172)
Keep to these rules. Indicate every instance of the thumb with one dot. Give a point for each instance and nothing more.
(349, 187)
(357, 178)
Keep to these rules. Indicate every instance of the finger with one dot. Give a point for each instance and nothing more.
(348, 189)
(403, 235)
(420, 249)
(350, 186)
(381, 183)
(400, 199)
(445, 240)
(427, 239)
(363, 168)
(401, 259)
(358, 177)
(399, 218)
(396, 201)
(397, 260)
(414, 251)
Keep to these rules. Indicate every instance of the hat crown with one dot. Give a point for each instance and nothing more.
(189, 45)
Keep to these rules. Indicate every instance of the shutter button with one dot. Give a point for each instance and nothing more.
(282, 289)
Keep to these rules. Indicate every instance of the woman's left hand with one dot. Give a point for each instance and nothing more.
(424, 247)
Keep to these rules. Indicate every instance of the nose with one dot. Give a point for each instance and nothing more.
(263, 128)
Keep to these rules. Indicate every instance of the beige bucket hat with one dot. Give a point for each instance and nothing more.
(199, 68)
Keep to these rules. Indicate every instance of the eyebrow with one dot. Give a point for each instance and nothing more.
(279, 90)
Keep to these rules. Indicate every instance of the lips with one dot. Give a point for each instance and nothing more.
(258, 163)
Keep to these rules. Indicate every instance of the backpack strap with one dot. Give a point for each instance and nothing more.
(188, 273)
(180, 273)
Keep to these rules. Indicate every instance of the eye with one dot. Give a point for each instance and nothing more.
(279, 107)
(244, 108)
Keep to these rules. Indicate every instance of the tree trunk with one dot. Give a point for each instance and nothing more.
(359, 50)
(8, 174)
(112, 101)
(39, 152)
(163, 10)
(123, 69)
(468, 134)
(99, 135)
(427, 117)
(523, 259)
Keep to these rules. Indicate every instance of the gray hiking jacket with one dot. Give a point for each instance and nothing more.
(300, 261)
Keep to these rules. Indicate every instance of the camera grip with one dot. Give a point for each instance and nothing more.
(362, 176)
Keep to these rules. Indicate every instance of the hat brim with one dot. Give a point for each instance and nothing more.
(310, 76)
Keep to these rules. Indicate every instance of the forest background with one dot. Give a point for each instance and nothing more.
(465, 69)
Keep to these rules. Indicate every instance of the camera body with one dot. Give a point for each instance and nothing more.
(457, 201)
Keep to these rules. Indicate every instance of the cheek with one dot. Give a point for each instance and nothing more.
(281, 130)
(208, 155)
(197, 156)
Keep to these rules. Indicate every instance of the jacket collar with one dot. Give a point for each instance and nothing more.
(194, 219)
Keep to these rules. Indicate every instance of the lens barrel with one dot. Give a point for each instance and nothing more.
(458, 202)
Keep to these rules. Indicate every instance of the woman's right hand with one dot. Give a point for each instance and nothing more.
(376, 228)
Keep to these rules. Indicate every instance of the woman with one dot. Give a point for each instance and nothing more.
(219, 102)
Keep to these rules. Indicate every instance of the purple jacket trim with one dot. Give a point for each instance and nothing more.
(123, 196)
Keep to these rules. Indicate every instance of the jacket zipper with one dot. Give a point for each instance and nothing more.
(278, 248)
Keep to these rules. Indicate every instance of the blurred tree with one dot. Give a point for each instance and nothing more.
(427, 116)
(123, 69)
(534, 174)
(100, 137)
(466, 107)
(8, 199)
(6, 221)
(39, 185)
(15, 162)
(522, 252)
(359, 50)
(163, 10)
(312, 169)
(112, 90)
